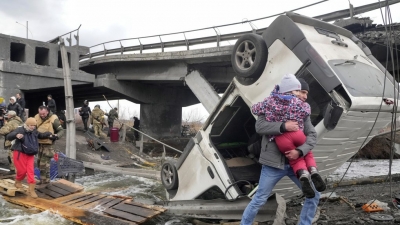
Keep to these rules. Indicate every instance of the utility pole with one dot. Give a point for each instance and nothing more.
(27, 29)
(71, 144)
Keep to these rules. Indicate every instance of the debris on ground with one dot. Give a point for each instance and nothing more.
(105, 157)
(335, 204)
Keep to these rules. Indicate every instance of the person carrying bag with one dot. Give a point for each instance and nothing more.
(25, 148)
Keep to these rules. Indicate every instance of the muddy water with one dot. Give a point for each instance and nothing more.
(143, 190)
(12, 214)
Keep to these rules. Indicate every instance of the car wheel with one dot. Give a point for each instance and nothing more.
(249, 57)
(169, 176)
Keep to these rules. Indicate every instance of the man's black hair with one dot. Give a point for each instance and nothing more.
(50, 96)
(44, 107)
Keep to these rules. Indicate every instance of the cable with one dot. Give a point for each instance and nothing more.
(393, 129)
(389, 48)
(373, 125)
(396, 97)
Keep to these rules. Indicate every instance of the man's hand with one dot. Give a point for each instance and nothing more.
(19, 136)
(292, 154)
(53, 137)
(291, 125)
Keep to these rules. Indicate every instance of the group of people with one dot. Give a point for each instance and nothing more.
(26, 139)
(96, 118)
(16, 104)
(287, 140)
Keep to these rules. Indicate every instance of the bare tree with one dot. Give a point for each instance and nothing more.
(193, 121)
(192, 116)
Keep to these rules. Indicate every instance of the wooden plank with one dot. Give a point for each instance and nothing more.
(102, 201)
(80, 199)
(71, 197)
(153, 207)
(9, 192)
(54, 188)
(65, 187)
(42, 195)
(79, 216)
(112, 203)
(7, 187)
(87, 201)
(64, 184)
(49, 193)
(12, 182)
(74, 197)
(124, 215)
(137, 210)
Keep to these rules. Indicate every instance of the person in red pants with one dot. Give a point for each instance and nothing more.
(286, 104)
(24, 148)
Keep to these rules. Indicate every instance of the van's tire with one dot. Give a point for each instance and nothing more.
(169, 176)
(249, 57)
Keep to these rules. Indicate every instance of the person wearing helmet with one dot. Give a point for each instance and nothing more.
(97, 120)
(12, 123)
(112, 115)
(85, 112)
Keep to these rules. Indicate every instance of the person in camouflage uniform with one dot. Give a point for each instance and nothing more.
(10, 125)
(112, 115)
(97, 120)
(47, 122)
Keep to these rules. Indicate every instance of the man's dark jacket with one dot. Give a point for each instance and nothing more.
(52, 105)
(21, 102)
(85, 111)
(16, 108)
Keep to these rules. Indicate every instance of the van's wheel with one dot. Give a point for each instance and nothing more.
(169, 176)
(249, 57)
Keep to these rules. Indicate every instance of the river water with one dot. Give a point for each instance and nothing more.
(141, 189)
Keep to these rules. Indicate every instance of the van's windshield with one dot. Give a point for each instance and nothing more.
(362, 80)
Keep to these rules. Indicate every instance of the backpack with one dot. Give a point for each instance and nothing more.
(30, 146)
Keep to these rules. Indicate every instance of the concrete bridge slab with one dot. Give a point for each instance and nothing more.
(148, 93)
(203, 90)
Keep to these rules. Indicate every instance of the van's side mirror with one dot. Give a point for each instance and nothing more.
(332, 115)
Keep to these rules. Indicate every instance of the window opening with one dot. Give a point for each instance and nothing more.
(42, 56)
(17, 53)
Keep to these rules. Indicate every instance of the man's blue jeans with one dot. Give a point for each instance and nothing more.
(268, 179)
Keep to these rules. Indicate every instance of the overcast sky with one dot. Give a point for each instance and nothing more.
(112, 20)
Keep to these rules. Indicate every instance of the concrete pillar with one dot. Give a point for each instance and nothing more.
(158, 120)
(203, 90)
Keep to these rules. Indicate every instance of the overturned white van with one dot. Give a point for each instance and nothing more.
(349, 89)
